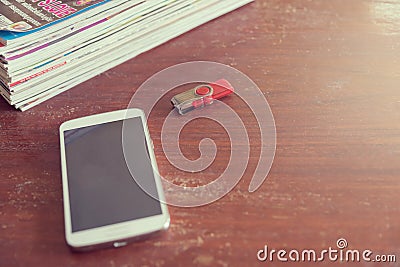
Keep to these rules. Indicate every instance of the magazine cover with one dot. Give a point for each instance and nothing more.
(26, 15)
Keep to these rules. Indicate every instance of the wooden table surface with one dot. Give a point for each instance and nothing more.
(330, 72)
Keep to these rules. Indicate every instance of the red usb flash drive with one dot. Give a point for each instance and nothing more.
(201, 96)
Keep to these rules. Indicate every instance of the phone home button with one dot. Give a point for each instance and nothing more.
(120, 244)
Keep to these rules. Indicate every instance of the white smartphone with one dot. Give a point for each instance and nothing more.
(103, 203)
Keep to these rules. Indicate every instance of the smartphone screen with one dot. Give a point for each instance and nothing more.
(101, 188)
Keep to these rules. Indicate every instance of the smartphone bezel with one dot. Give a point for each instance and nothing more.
(120, 231)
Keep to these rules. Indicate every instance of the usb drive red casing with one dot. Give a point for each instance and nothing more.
(201, 96)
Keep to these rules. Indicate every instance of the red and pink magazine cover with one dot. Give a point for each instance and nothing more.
(26, 15)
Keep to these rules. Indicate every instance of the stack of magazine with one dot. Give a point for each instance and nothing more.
(49, 46)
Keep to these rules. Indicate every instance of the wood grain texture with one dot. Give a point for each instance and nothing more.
(330, 72)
